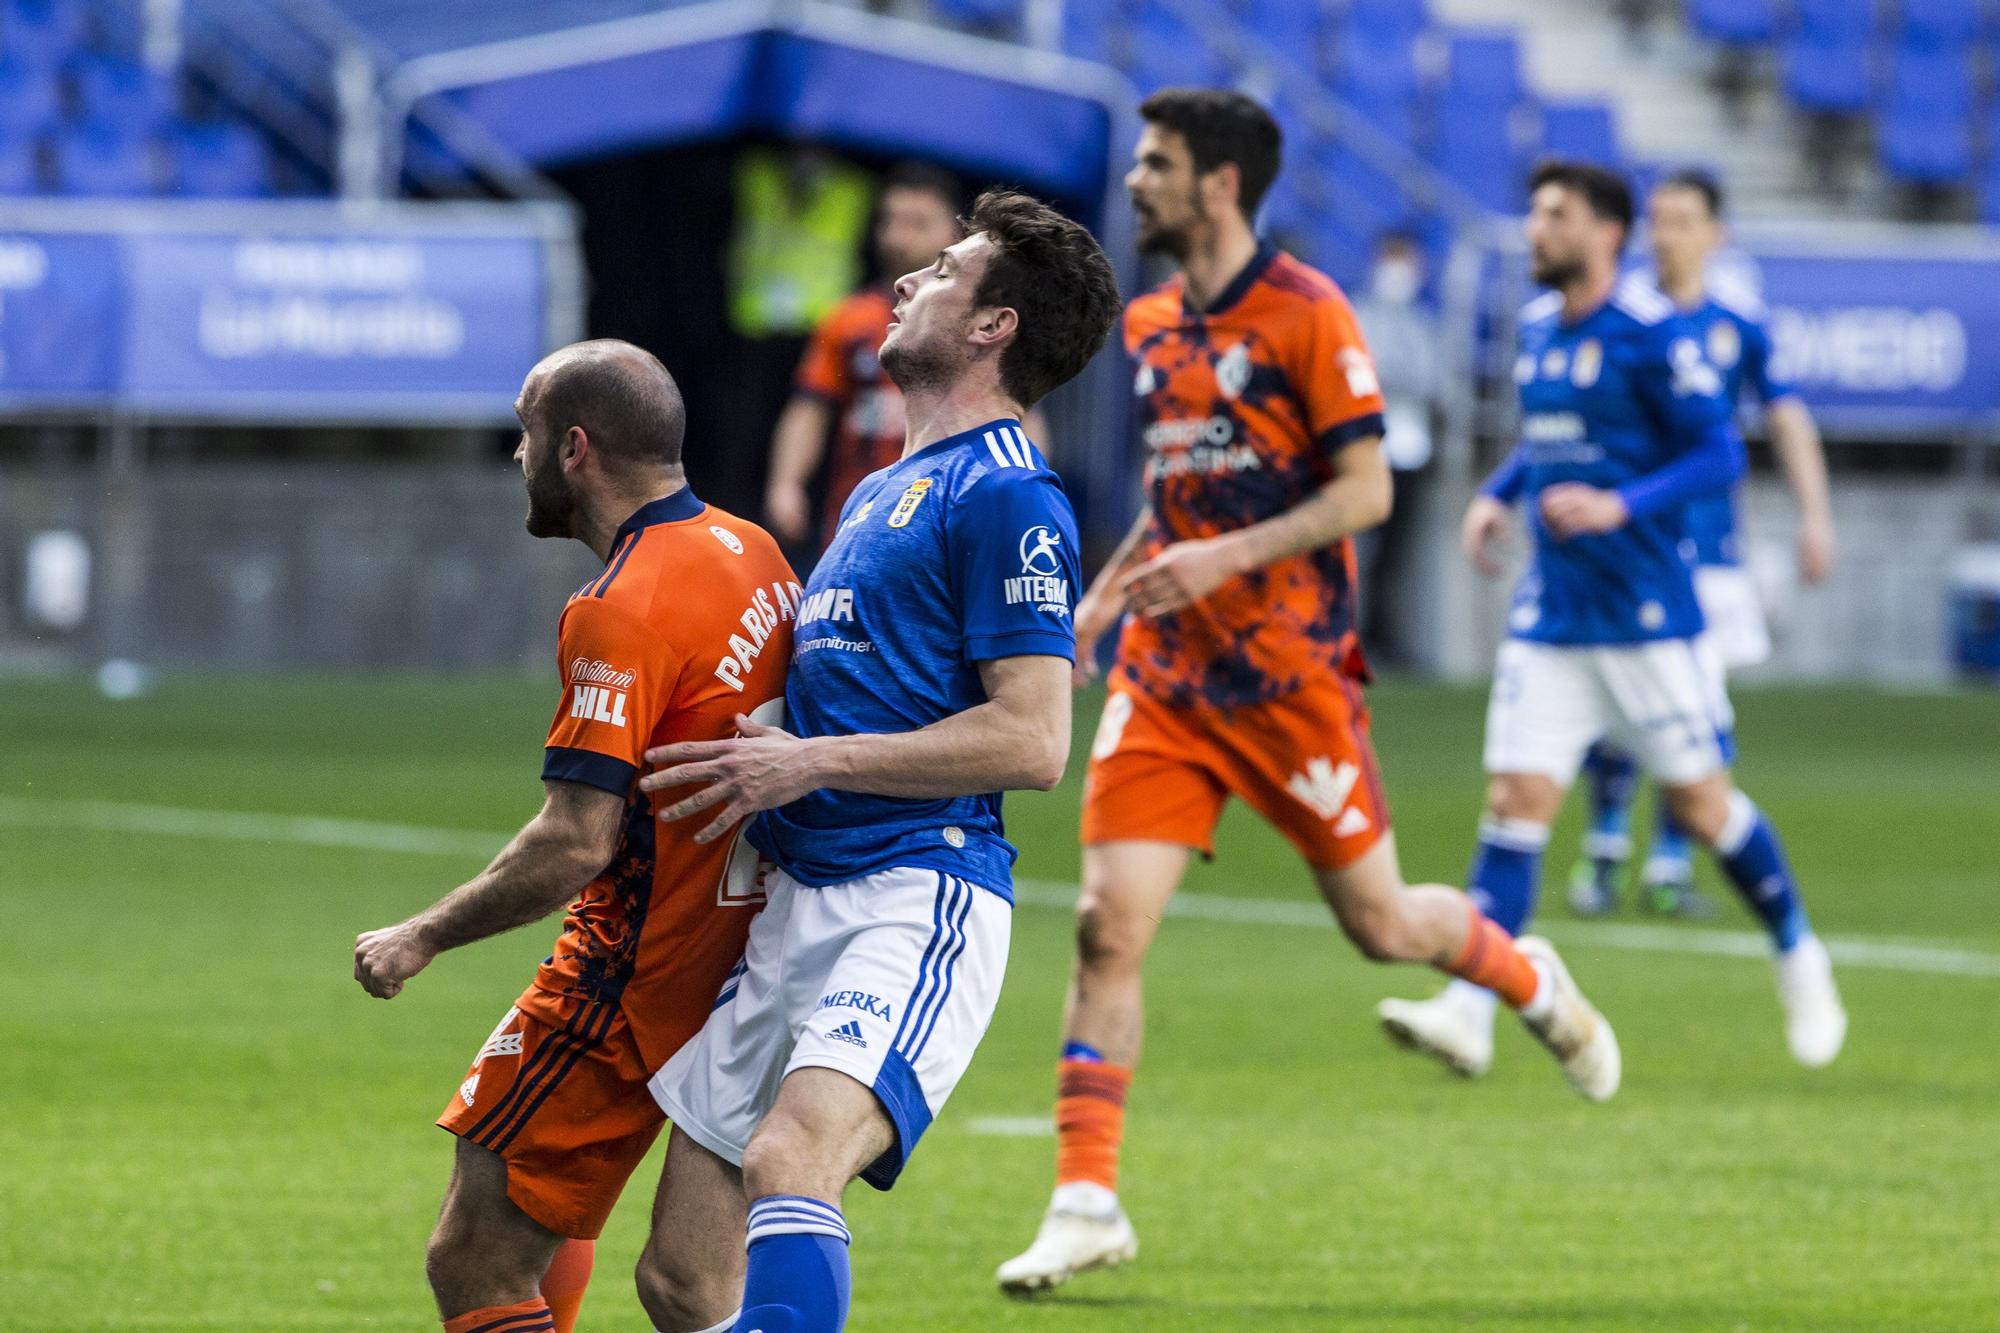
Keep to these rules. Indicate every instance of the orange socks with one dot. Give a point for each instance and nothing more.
(1490, 959)
(1090, 1121)
(563, 1284)
(526, 1317)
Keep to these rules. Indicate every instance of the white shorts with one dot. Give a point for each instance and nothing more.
(1662, 703)
(1735, 614)
(891, 979)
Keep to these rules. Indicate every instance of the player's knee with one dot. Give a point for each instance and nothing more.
(1701, 808)
(779, 1158)
(677, 1296)
(1382, 936)
(1106, 937)
(447, 1264)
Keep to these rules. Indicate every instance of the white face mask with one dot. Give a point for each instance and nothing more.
(1395, 281)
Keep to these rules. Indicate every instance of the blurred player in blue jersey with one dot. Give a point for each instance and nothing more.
(931, 672)
(1623, 422)
(1684, 216)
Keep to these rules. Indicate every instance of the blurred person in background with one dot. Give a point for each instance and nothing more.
(1684, 215)
(1403, 335)
(845, 416)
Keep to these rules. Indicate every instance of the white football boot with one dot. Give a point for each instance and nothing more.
(1815, 1023)
(1455, 1026)
(1575, 1033)
(1070, 1240)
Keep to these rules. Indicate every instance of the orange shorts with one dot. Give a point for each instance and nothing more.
(566, 1106)
(1304, 762)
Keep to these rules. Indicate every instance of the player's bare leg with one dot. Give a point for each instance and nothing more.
(690, 1275)
(485, 1253)
(1126, 888)
(823, 1130)
(1391, 922)
(1723, 819)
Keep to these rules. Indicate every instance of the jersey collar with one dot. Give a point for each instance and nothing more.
(1239, 286)
(675, 508)
(972, 436)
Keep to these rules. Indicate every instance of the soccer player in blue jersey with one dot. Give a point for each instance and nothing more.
(931, 672)
(1623, 422)
(1684, 217)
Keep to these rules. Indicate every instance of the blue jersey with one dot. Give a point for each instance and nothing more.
(1730, 325)
(1614, 397)
(964, 552)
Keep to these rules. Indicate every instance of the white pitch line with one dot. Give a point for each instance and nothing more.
(1012, 1126)
(413, 839)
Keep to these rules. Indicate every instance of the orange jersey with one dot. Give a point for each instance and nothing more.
(689, 624)
(841, 370)
(1243, 406)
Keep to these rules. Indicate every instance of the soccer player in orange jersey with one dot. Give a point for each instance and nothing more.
(688, 625)
(1238, 671)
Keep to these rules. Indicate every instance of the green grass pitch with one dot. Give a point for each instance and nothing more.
(204, 1124)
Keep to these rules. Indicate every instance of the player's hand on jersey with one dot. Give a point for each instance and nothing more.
(1572, 509)
(1816, 550)
(789, 510)
(1182, 574)
(1485, 525)
(761, 769)
(385, 959)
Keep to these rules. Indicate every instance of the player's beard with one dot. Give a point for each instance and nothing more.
(914, 368)
(551, 502)
(1552, 272)
(1157, 237)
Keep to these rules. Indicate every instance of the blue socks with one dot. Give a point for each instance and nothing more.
(798, 1278)
(1505, 870)
(1612, 779)
(1755, 862)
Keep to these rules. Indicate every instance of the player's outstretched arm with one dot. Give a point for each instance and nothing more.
(1018, 738)
(1104, 601)
(554, 855)
(1795, 440)
(796, 447)
(1356, 499)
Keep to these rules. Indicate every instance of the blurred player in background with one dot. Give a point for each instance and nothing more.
(934, 655)
(845, 411)
(1684, 217)
(555, 1113)
(1623, 422)
(1239, 672)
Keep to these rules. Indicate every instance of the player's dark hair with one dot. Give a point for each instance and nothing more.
(1222, 126)
(914, 175)
(626, 402)
(1054, 275)
(1701, 182)
(1605, 191)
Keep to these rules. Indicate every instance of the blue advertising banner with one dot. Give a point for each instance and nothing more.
(267, 316)
(1887, 340)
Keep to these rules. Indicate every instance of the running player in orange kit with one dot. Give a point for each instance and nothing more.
(1239, 672)
(688, 625)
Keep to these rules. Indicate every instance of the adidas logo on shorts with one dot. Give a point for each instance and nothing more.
(850, 1032)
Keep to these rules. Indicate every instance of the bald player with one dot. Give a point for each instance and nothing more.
(688, 624)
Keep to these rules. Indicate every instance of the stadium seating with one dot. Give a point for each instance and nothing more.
(1583, 130)
(81, 115)
(1735, 22)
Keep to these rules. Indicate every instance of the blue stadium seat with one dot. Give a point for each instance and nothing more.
(116, 91)
(1583, 131)
(1368, 66)
(1166, 52)
(219, 159)
(1395, 20)
(1735, 22)
(1829, 71)
(1483, 68)
(1089, 27)
(1938, 25)
(1989, 191)
(1829, 19)
(1931, 80)
(42, 33)
(95, 159)
(1295, 27)
(1922, 148)
(1365, 200)
(30, 100)
(1477, 153)
(19, 172)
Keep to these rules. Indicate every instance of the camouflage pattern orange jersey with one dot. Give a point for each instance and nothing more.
(1242, 406)
(841, 370)
(689, 624)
